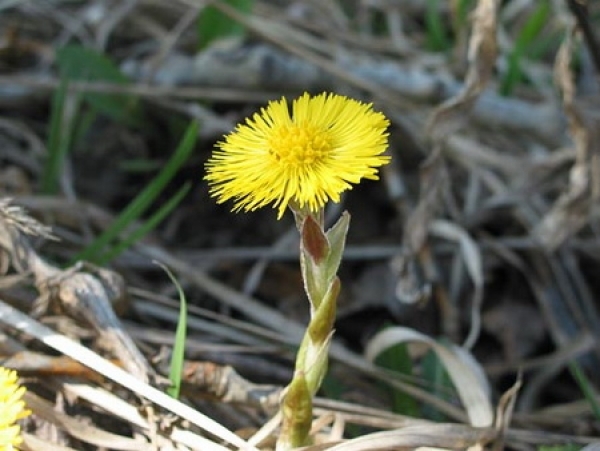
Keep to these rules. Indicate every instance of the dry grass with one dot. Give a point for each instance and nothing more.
(483, 229)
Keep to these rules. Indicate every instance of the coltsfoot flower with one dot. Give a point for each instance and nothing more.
(12, 408)
(302, 159)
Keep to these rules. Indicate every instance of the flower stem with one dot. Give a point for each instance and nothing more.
(320, 257)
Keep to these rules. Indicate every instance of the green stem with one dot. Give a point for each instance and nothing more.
(320, 258)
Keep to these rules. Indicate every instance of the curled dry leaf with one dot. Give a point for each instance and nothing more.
(466, 374)
(570, 211)
(445, 120)
(453, 113)
(473, 262)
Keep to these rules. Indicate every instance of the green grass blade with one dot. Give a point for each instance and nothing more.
(463, 8)
(80, 63)
(460, 18)
(85, 121)
(397, 359)
(178, 354)
(437, 34)
(140, 165)
(140, 204)
(213, 24)
(59, 139)
(149, 225)
(438, 379)
(586, 387)
(526, 38)
(565, 447)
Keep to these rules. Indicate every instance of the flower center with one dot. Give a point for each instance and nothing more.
(299, 145)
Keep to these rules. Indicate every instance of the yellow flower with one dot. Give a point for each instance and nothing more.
(12, 408)
(302, 159)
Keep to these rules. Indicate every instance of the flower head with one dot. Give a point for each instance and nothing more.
(12, 408)
(301, 159)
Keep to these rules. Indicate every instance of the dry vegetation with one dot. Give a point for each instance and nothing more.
(482, 231)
